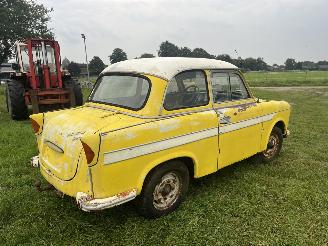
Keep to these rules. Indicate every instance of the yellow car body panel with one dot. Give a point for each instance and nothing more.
(128, 144)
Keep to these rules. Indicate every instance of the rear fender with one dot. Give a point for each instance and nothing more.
(91, 144)
(162, 160)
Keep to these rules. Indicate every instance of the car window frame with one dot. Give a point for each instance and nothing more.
(229, 72)
(188, 107)
(121, 74)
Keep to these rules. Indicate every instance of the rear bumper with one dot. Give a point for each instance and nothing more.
(87, 203)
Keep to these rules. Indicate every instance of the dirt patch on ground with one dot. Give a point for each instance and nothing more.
(318, 90)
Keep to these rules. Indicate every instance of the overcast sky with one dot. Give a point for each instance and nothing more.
(272, 29)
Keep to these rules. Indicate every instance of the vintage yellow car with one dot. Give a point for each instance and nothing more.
(149, 126)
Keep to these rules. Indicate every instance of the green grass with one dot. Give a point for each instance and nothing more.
(284, 202)
(93, 78)
(303, 78)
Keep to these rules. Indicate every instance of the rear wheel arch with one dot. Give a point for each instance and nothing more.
(164, 188)
(188, 161)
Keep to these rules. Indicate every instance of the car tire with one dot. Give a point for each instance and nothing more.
(273, 147)
(164, 189)
(15, 100)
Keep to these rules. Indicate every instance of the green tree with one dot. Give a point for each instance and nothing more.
(147, 55)
(322, 63)
(185, 52)
(290, 64)
(201, 53)
(301, 65)
(250, 64)
(117, 56)
(21, 19)
(167, 49)
(96, 65)
(74, 69)
(239, 62)
(65, 63)
(261, 64)
(224, 57)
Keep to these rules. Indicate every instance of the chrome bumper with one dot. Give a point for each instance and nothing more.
(87, 203)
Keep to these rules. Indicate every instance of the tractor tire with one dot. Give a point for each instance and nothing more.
(15, 100)
(76, 89)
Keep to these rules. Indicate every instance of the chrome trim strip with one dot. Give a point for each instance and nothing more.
(168, 143)
(152, 147)
(245, 123)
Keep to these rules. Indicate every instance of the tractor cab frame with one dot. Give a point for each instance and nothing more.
(39, 80)
(43, 65)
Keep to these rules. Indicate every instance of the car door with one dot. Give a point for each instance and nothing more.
(238, 113)
(189, 108)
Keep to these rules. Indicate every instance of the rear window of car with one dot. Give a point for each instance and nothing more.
(126, 91)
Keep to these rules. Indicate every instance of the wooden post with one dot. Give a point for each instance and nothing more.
(34, 101)
(71, 96)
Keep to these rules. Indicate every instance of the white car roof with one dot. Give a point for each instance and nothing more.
(166, 67)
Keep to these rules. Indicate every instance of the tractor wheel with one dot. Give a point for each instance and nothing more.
(76, 89)
(15, 100)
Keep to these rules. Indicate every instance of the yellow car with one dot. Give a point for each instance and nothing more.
(149, 126)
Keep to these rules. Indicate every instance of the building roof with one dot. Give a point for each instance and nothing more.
(166, 67)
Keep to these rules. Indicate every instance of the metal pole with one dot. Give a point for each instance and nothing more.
(86, 56)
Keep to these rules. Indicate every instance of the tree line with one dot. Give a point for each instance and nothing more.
(23, 19)
(167, 49)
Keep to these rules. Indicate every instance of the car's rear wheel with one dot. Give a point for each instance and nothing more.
(273, 147)
(164, 189)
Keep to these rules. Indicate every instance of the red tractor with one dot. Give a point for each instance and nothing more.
(39, 81)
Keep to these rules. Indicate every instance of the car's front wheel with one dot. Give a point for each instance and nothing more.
(273, 147)
(164, 189)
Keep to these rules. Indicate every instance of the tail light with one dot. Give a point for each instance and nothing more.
(91, 147)
(37, 122)
(35, 126)
(89, 154)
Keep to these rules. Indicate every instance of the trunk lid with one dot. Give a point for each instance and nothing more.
(61, 149)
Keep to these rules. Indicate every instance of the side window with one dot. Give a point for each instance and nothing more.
(238, 89)
(186, 90)
(220, 87)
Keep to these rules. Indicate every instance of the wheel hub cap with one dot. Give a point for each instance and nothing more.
(167, 191)
(272, 146)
